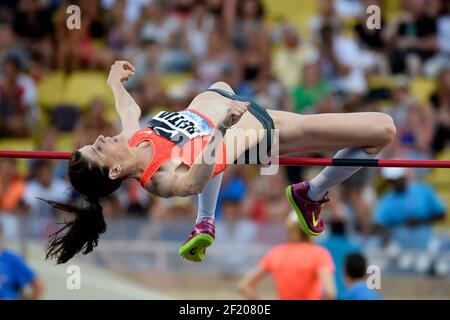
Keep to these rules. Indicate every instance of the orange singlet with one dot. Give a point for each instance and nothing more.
(163, 149)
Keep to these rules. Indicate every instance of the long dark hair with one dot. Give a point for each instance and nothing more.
(82, 232)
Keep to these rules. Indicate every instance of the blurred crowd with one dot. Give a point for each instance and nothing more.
(180, 47)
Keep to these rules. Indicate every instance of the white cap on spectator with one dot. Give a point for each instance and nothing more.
(393, 173)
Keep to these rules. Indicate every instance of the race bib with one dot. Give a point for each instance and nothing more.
(180, 126)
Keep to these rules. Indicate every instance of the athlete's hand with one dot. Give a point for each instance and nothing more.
(120, 71)
(234, 113)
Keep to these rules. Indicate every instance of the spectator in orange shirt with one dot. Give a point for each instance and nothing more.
(12, 186)
(301, 270)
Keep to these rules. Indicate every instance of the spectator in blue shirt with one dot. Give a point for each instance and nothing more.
(411, 206)
(355, 278)
(410, 202)
(233, 188)
(340, 246)
(15, 275)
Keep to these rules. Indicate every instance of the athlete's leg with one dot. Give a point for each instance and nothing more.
(371, 131)
(203, 235)
(331, 176)
(207, 199)
(366, 134)
(358, 135)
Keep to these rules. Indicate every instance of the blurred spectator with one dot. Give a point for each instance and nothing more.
(440, 102)
(326, 15)
(97, 28)
(371, 39)
(233, 188)
(355, 277)
(120, 31)
(153, 97)
(173, 209)
(269, 93)
(75, 48)
(329, 104)
(358, 195)
(16, 275)
(340, 246)
(182, 9)
(307, 94)
(442, 58)
(411, 204)
(44, 185)
(174, 57)
(416, 135)
(414, 122)
(348, 9)
(156, 25)
(33, 22)
(48, 142)
(219, 59)
(131, 8)
(254, 60)
(93, 124)
(12, 186)
(112, 207)
(39, 67)
(412, 36)
(339, 66)
(289, 59)
(133, 198)
(236, 230)
(401, 100)
(267, 202)
(301, 270)
(18, 108)
(10, 46)
(249, 24)
(234, 77)
(215, 7)
(198, 28)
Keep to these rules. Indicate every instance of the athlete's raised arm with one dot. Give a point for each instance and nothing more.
(127, 109)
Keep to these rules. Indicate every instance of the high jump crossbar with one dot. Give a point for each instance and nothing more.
(284, 161)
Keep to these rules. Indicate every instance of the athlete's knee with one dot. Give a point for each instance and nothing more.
(385, 132)
(389, 130)
(385, 129)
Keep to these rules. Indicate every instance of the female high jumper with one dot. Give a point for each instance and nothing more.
(165, 160)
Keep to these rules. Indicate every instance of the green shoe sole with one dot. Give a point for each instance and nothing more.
(297, 210)
(194, 249)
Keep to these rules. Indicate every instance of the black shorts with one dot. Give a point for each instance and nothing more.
(262, 115)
